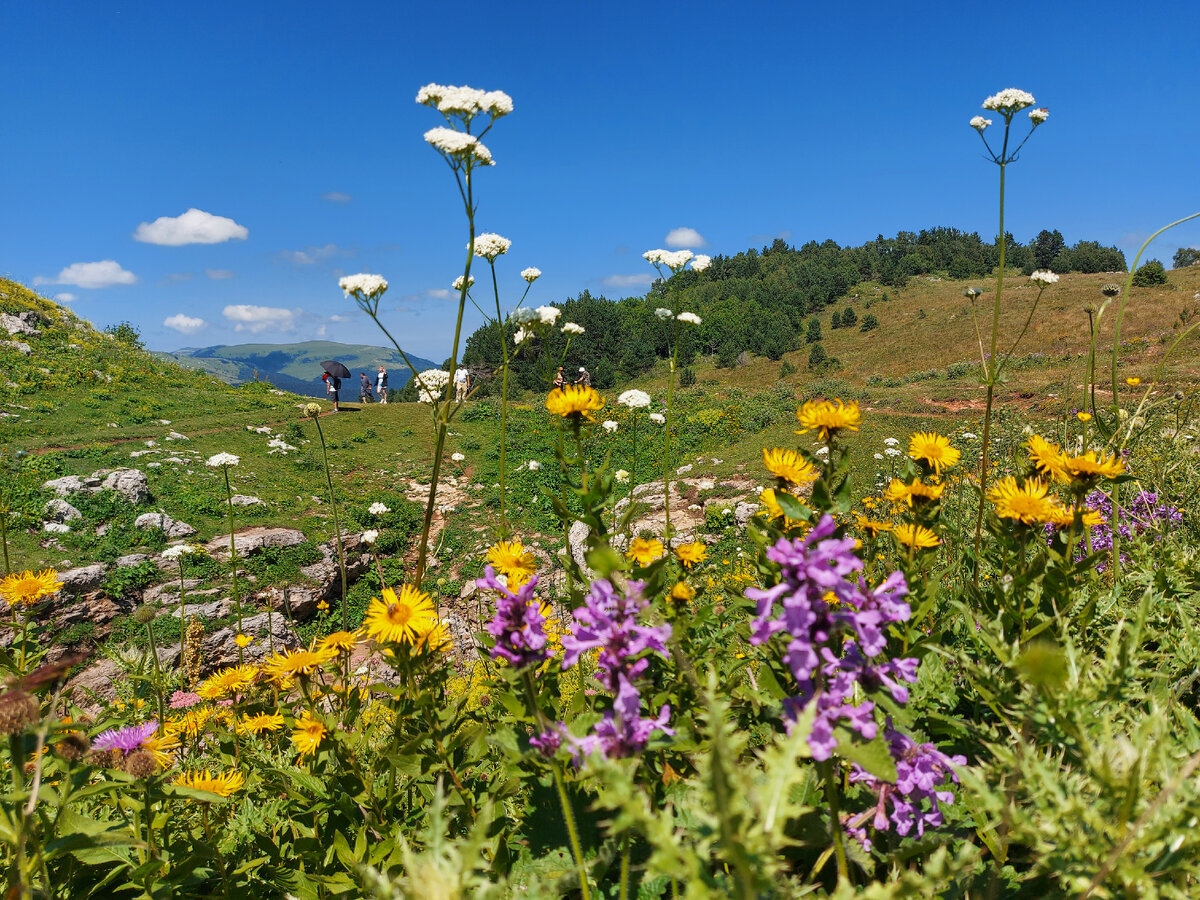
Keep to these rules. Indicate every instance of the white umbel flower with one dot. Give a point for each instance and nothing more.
(572, 328)
(370, 536)
(457, 457)
(524, 315)
(658, 418)
(609, 425)
(179, 550)
(1043, 276)
(378, 509)
(521, 336)
(634, 399)
(1009, 101)
(700, 262)
(531, 274)
(222, 461)
(891, 442)
(690, 317)
(457, 284)
(548, 315)
(979, 123)
(1039, 115)
(458, 145)
(491, 245)
(430, 384)
(367, 285)
(663, 313)
(534, 465)
(621, 476)
(463, 101)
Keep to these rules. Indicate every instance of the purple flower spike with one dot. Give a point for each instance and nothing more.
(518, 626)
(124, 739)
(548, 741)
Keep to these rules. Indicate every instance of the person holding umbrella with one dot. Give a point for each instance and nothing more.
(334, 373)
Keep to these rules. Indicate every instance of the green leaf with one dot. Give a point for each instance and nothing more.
(873, 756)
(792, 508)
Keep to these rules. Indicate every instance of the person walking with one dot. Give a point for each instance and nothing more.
(381, 385)
(364, 388)
(584, 378)
(560, 380)
(462, 383)
(333, 384)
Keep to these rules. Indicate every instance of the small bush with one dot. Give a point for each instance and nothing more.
(837, 320)
(869, 323)
(849, 318)
(1150, 274)
(786, 369)
(813, 334)
(687, 376)
(817, 356)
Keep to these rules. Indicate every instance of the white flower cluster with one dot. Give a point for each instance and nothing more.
(430, 384)
(179, 550)
(674, 260)
(663, 313)
(540, 315)
(531, 274)
(891, 451)
(378, 509)
(979, 123)
(534, 465)
(222, 460)
(658, 418)
(610, 425)
(458, 145)
(572, 328)
(1044, 276)
(969, 435)
(457, 457)
(367, 285)
(370, 536)
(490, 245)
(521, 336)
(457, 284)
(1009, 101)
(634, 399)
(690, 317)
(453, 100)
(622, 476)
(700, 262)
(1038, 116)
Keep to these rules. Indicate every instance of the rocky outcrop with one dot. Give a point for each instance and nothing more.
(220, 648)
(22, 323)
(172, 528)
(72, 484)
(251, 539)
(82, 579)
(58, 510)
(130, 484)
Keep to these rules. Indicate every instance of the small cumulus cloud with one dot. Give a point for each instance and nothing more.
(441, 293)
(309, 255)
(218, 274)
(340, 318)
(627, 281)
(64, 297)
(320, 331)
(336, 197)
(255, 319)
(184, 324)
(685, 237)
(192, 227)
(102, 274)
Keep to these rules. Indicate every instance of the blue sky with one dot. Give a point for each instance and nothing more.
(296, 122)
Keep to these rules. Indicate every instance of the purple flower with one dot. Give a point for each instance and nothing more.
(518, 626)
(623, 732)
(547, 742)
(124, 739)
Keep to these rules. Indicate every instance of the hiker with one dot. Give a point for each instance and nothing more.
(462, 382)
(381, 385)
(584, 378)
(560, 380)
(364, 388)
(333, 384)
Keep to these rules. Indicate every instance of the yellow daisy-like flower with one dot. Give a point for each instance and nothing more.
(511, 559)
(1093, 465)
(1083, 416)
(916, 536)
(574, 400)
(1026, 503)
(690, 554)
(298, 662)
(231, 680)
(873, 526)
(223, 783)
(400, 618)
(683, 592)
(191, 724)
(323, 606)
(26, 589)
(308, 735)
(770, 501)
(1064, 517)
(243, 640)
(644, 551)
(932, 448)
(162, 746)
(432, 634)
(1133, 382)
(338, 642)
(828, 418)
(261, 722)
(1048, 458)
(917, 492)
(789, 465)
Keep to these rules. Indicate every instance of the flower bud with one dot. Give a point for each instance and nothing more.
(144, 614)
(312, 410)
(73, 746)
(141, 764)
(1110, 290)
(18, 710)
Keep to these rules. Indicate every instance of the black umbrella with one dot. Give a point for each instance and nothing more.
(335, 368)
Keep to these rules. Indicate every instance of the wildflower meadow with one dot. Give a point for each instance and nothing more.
(976, 675)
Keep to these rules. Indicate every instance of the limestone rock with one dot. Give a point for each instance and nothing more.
(20, 324)
(172, 528)
(58, 510)
(72, 484)
(20, 346)
(250, 539)
(744, 512)
(220, 648)
(56, 527)
(82, 579)
(130, 484)
(95, 686)
(244, 500)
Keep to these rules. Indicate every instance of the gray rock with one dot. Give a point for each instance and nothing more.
(172, 528)
(130, 484)
(72, 484)
(56, 527)
(214, 609)
(17, 324)
(244, 500)
(220, 648)
(20, 346)
(577, 540)
(744, 512)
(176, 436)
(95, 686)
(132, 559)
(82, 579)
(251, 539)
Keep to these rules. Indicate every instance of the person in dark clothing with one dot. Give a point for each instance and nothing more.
(333, 384)
(364, 389)
(584, 379)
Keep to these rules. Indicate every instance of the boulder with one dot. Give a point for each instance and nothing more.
(130, 484)
(744, 512)
(248, 540)
(93, 606)
(131, 559)
(220, 648)
(72, 484)
(58, 510)
(56, 527)
(95, 686)
(20, 346)
(244, 500)
(577, 540)
(82, 579)
(21, 324)
(213, 609)
(172, 528)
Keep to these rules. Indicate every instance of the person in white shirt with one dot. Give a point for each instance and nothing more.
(381, 385)
(462, 383)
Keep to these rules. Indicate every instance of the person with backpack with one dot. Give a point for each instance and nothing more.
(333, 384)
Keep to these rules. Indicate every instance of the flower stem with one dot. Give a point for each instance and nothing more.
(503, 402)
(237, 599)
(839, 847)
(572, 833)
(183, 682)
(337, 529)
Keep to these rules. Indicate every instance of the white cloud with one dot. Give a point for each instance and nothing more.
(181, 276)
(184, 324)
(339, 318)
(64, 297)
(336, 197)
(218, 274)
(101, 274)
(441, 293)
(259, 318)
(310, 255)
(193, 227)
(626, 281)
(685, 237)
(321, 331)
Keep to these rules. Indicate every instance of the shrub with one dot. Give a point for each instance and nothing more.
(869, 323)
(849, 318)
(1150, 274)
(817, 357)
(837, 320)
(786, 369)
(814, 330)
(687, 376)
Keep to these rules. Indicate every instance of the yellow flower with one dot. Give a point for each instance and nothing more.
(933, 449)
(161, 746)
(1048, 458)
(243, 640)
(192, 723)
(789, 465)
(916, 536)
(308, 734)
(908, 494)
(223, 783)
(770, 500)
(511, 559)
(874, 526)
(690, 554)
(323, 606)
(1133, 382)
(231, 680)
(683, 592)
(1026, 503)
(574, 400)
(1064, 517)
(1093, 465)
(1083, 416)
(644, 551)
(26, 589)
(828, 418)
(432, 634)
(298, 662)
(338, 642)
(400, 618)
(261, 722)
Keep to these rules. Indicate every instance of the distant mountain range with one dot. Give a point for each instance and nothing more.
(296, 367)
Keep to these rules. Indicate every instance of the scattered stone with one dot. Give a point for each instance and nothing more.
(56, 528)
(214, 609)
(744, 512)
(131, 559)
(250, 539)
(577, 541)
(705, 484)
(176, 436)
(82, 579)
(220, 648)
(683, 470)
(20, 346)
(130, 484)
(138, 453)
(61, 511)
(244, 500)
(72, 484)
